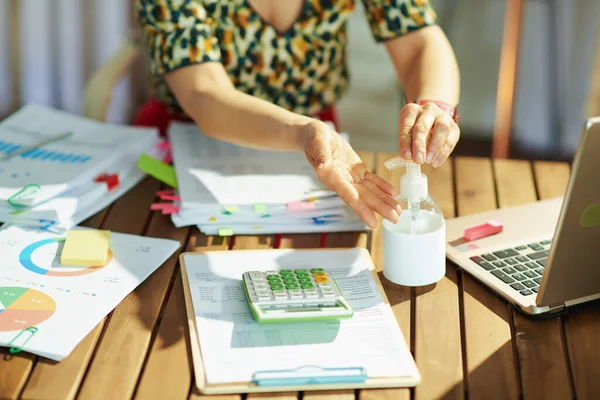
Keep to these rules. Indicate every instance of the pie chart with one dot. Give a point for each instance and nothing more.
(32, 258)
(22, 308)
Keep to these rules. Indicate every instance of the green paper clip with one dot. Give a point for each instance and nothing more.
(23, 194)
(15, 350)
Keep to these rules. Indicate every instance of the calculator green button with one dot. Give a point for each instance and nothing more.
(286, 272)
(316, 270)
(273, 277)
(301, 272)
(289, 280)
(307, 285)
(276, 287)
(289, 286)
(304, 280)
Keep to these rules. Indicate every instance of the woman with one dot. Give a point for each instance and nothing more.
(265, 73)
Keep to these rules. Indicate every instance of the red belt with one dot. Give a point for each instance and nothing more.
(156, 114)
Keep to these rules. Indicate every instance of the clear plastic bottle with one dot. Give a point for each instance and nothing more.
(414, 249)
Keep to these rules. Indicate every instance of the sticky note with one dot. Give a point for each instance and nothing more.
(85, 247)
(170, 210)
(232, 209)
(260, 208)
(158, 169)
(300, 206)
(484, 230)
(225, 232)
(160, 206)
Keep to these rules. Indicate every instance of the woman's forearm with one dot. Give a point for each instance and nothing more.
(426, 65)
(222, 112)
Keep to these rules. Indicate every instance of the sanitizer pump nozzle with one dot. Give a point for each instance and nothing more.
(413, 185)
(414, 247)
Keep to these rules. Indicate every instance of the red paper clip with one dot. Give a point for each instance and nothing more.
(484, 230)
(112, 181)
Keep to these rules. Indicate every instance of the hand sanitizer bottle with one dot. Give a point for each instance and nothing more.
(414, 249)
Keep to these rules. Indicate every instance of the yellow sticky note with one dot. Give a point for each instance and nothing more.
(225, 232)
(85, 248)
(232, 209)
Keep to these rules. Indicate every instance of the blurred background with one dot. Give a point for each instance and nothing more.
(50, 49)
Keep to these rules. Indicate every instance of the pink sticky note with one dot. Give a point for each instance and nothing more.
(484, 230)
(160, 206)
(168, 158)
(164, 145)
(170, 198)
(170, 192)
(300, 206)
(170, 210)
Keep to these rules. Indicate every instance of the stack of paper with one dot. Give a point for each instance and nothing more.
(226, 189)
(62, 183)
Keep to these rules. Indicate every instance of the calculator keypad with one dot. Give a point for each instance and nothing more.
(313, 284)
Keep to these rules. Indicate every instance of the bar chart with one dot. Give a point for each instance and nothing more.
(45, 155)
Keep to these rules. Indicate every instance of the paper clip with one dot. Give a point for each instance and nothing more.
(13, 349)
(23, 194)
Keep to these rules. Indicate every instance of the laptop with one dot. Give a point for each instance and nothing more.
(545, 261)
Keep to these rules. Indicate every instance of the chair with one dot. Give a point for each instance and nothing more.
(99, 89)
(507, 77)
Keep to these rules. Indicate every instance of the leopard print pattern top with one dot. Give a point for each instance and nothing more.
(303, 69)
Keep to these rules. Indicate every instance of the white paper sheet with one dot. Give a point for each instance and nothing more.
(56, 167)
(234, 346)
(210, 171)
(35, 290)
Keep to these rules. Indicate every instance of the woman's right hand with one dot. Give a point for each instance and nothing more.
(339, 168)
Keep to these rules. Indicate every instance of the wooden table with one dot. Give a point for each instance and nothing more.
(467, 342)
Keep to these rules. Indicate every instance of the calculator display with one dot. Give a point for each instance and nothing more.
(300, 294)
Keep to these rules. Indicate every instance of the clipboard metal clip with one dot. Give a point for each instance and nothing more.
(308, 375)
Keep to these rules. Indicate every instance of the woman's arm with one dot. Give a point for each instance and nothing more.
(426, 65)
(207, 95)
(427, 69)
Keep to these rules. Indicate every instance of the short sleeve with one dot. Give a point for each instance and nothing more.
(178, 33)
(389, 19)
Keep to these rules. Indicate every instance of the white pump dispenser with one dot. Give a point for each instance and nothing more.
(414, 248)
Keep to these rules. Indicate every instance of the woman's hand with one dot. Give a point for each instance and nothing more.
(426, 133)
(341, 170)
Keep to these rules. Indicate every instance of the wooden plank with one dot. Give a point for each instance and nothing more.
(15, 369)
(543, 366)
(437, 314)
(488, 347)
(120, 354)
(329, 395)
(168, 373)
(581, 329)
(62, 380)
(398, 296)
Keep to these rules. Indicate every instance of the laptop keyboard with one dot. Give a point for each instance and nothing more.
(520, 267)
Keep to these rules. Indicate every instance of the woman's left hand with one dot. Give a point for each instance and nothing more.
(427, 134)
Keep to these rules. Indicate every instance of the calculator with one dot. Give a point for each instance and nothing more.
(295, 295)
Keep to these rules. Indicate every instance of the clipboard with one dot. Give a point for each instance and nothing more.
(303, 378)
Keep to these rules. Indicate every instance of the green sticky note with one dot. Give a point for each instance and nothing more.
(225, 232)
(158, 169)
(260, 208)
(591, 216)
(232, 209)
